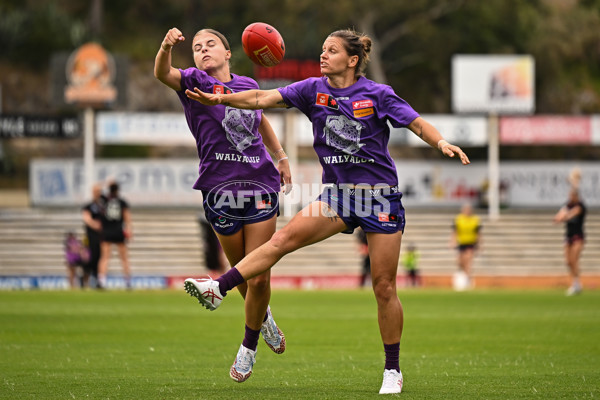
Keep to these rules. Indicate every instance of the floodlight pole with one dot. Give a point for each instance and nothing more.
(88, 151)
(493, 168)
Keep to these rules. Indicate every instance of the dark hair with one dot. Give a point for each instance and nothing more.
(113, 188)
(356, 44)
(217, 34)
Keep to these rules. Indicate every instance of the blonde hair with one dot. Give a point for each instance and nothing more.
(356, 44)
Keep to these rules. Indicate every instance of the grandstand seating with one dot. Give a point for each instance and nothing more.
(167, 242)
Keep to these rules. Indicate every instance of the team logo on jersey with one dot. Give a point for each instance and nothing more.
(385, 217)
(327, 100)
(221, 89)
(343, 134)
(238, 125)
(363, 108)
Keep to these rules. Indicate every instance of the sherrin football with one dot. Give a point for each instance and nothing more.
(263, 44)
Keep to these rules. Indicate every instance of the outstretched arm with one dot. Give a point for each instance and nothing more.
(163, 70)
(249, 100)
(430, 135)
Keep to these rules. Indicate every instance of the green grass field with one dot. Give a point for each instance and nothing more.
(163, 345)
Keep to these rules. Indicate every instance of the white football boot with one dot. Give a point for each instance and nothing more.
(272, 335)
(392, 382)
(206, 291)
(242, 366)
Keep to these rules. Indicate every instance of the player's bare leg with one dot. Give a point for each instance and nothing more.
(124, 256)
(234, 248)
(105, 251)
(572, 254)
(384, 250)
(257, 294)
(316, 222)
(259, 287)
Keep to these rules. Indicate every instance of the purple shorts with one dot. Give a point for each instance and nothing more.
(228, 214)
(374, 210)
(73, 259)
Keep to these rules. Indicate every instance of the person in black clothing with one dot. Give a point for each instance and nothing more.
(90, 213)
(573, 214)
(116, 229)
(363, 249)
(214, 258)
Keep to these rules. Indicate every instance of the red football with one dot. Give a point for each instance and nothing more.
(263, 44)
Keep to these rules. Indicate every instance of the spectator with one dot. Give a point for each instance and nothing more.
(90, 214)
(214, 258)
(410, 261)
(76, 256)
(116, 230)
(363, 249)
(573, 215)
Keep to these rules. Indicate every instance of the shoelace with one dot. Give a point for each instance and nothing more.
(246, 361)
(390, 378)
(270, 332)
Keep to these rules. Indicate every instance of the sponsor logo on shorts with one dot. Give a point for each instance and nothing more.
(221, 223)
(263, 204)
(385, 217)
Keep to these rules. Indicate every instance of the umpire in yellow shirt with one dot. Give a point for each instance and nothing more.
(466, 237)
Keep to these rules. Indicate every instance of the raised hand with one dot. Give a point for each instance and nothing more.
(172, 37)
(208, 99)
(451, 150)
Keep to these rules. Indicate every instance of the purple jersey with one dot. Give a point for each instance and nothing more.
(350, 127)
(227, 139)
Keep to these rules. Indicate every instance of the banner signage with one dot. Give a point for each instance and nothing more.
(90, 76)
(553, 130)
(423, 183)
(501, 84)
(91, 72)
(143, 128)
(286, 72)
(21, 126)
(156, 129)
(143, 182)
(170, 128)
(467, 131)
